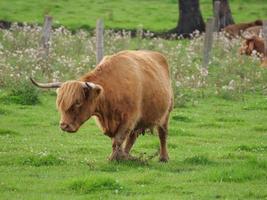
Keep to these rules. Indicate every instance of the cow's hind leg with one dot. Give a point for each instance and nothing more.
(163, 132)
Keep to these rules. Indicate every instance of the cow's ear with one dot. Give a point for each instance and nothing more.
(95, 91)
(92, 90)
(98, 89)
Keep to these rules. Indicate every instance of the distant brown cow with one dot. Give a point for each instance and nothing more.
(234, 30)
(256, 44)
(128, 92)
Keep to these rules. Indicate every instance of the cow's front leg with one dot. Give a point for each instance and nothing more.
(117, 147)
(117, 151)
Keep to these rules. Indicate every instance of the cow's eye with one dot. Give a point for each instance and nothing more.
(78, 104)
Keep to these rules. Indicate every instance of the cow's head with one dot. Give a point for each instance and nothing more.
(252, 43)
(76, 102)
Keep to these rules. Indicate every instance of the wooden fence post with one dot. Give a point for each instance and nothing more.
(216, 14)
(208, 42)
(99, 40)
(46, 34)
(264, 62)
(45, 44)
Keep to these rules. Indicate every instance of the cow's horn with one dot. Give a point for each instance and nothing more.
(89, 85)
(46, 85)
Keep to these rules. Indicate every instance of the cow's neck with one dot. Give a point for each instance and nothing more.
(103, 113)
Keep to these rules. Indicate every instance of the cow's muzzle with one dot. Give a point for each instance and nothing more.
(68, 128)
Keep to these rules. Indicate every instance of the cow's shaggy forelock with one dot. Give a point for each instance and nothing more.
(71, 92)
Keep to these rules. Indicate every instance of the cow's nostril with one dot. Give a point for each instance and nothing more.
(64, 126)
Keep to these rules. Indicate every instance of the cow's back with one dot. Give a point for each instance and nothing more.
(156, 87)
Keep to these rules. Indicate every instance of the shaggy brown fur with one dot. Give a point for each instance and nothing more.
(70, 93)
(132, 92)
(235, 30)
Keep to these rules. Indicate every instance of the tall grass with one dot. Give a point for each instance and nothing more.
(229, 75)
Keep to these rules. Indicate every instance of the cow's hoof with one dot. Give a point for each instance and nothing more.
(164, 159)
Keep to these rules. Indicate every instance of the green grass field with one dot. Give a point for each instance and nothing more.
(217, 148)
(155, 15)
(218, 131)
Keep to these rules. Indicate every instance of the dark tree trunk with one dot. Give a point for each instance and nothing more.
(190, 18)
(225, 15)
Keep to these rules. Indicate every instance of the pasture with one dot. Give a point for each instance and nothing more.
(217, 132)
(217, 150)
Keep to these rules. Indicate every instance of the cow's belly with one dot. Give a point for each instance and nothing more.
(155, 106)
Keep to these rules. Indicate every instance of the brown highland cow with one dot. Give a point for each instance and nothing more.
(128, 92)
